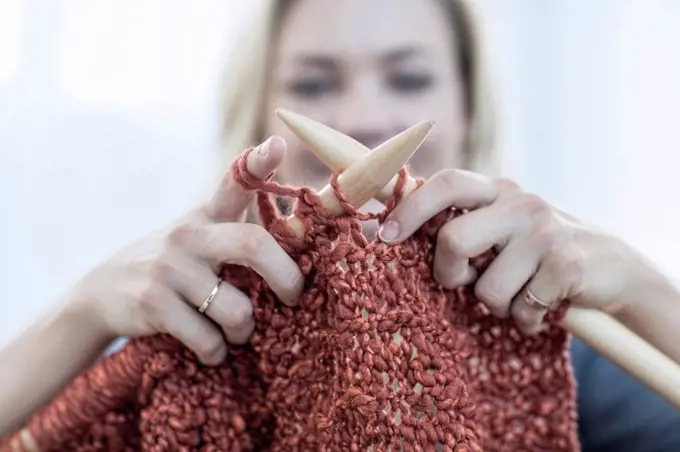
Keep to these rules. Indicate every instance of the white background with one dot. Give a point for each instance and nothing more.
(109, 123)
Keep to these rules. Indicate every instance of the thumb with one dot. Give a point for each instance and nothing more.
(231, 199)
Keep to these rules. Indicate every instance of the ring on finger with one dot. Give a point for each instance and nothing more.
(533, 301)
(211, 297)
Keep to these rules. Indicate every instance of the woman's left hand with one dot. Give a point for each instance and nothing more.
(544, 255)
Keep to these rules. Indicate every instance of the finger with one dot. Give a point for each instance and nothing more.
(175, 317)
(451, 270)
(233, 311)
(231, 199)
(532, 304)
(469, 236)
(450, 188)
(553, 282)
(249, 245)
(507, 274)
(230, 308)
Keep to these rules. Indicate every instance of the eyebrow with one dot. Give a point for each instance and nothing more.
(327, 62)
(318, 61)
(398, 55)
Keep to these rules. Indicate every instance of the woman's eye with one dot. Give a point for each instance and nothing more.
(313, 88)
(410, 83)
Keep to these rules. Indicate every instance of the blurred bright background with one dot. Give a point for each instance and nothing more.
(109, 114)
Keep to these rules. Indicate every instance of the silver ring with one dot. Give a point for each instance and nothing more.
(533, 301)
(211, 297)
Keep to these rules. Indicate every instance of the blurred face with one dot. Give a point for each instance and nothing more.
(370, 69)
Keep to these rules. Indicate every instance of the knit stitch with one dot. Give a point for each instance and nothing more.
(376, 357)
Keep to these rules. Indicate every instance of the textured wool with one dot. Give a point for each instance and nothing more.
(376, 357)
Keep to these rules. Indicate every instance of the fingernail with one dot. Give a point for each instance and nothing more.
(263, 149)
(389, 231)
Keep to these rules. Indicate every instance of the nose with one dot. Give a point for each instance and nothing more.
(362, 114)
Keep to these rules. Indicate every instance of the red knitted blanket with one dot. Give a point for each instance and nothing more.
(376, 357)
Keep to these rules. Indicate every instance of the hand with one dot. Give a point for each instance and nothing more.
(543, 253)
(157, 284)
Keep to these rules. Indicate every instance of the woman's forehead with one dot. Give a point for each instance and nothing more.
(361, 27)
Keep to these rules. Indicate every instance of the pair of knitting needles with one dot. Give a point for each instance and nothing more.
(366, 174)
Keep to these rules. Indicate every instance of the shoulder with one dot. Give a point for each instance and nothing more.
(616, 412)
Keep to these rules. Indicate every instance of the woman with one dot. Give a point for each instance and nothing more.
(369, 68)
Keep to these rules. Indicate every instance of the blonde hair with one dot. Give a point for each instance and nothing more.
(246, 79)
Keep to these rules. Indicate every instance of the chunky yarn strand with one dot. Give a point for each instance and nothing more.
(376, 357)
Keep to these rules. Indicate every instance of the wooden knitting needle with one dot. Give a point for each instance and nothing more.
(597, 329)
(359, 180)
(339, 150)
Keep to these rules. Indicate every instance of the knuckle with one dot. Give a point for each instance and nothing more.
(183, 234)
(505, 184)
(447, 180)
(148, 301)
(410, 210)
(253, 240)
(547, 233)
(565, 261)
(164, 269)
(534, 205)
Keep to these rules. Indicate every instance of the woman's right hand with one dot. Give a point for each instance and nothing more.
(157, 284)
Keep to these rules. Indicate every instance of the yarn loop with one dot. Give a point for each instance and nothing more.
(376, 357)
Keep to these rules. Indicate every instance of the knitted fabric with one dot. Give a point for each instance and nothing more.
(376, 357)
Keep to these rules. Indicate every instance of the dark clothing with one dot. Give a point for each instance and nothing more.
(617, 413)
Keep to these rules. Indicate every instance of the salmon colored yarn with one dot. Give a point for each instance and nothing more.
(376, 357)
